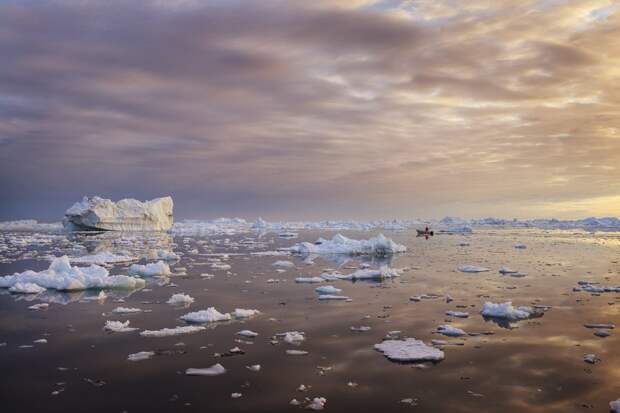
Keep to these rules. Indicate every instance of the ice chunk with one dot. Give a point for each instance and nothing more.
(180, 299)
(591, 358)
(324, 297)
(62, 276)
(450, 331)
(318, 403)
(118, 326)
(327, 289)
(214, 370)
(26, 288)
(243, 313)
(168, 332)
(409, 350)
(253, 367)
(126, 310)
(282, 263)
(167, 255)
(293, 337)
(153, 269)
(209, 315)
(40, 306)
(296, 352)
(507, 311)
(309, 280)
(339, 244)
(142, 355)
(614, 406)
(472, 268)
(370, 274)
(125, 215)
(458, 314)
(247, 333)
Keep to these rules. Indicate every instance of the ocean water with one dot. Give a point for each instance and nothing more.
(534, 365)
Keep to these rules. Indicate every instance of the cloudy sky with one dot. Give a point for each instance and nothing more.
(312, 109)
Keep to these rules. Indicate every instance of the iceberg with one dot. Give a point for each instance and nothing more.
(339, 244)
(409, 350)
(508, 312)
(63, 277)
(100, 214)
(158, 268)
(210, 315)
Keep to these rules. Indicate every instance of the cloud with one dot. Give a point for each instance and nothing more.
(302, 109)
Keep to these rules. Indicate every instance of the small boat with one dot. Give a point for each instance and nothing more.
(425, 233)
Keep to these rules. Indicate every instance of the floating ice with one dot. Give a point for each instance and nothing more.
(297, 352)
(125, 215)
(153, 269)
(26, 288)
(360, 329)
(472, 269)
(126, 310)
(214, 370)
(327, 289)
(600, 326)
(614, 406)
(40, 306)
(209, 315)
(247, 333)
(253, 367)
(318, 403)
(458, 314)
(506, 270)
(309, 280)
(243, 313)
(333, 297)
(450, 331)
(167, 255)
(369, 274)
(118, 326)
(180, 299)
(339, 244)
(409, 350)
(591, 358)
(282, 263)
(507, 311)
(62, 276)
(142, 355)
(293, 337)
(168, 332)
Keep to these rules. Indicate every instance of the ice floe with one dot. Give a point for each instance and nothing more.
(62, 276)
(450, 331)
(214, 370)
(105, 257)
(472, 269)
(126, 310)
(141, 355)
(327, 289)
(339, 244)
(327, 297)
(153, 269)
(247, 333)
(168, 332)
(309, 280)
(508, 312)
(409, 350)
(458, 314)
(284, 264)
(244, 313)
(118, 326)
(210, 315)
(180, 299)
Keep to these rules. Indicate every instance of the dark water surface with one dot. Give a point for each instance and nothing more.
(534, 366)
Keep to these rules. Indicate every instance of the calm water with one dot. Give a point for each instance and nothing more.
(533, 366)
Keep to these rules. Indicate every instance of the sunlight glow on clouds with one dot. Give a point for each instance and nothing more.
(297, 109)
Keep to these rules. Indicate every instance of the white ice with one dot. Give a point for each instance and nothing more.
(450, 331)
(180, 299)
(26, 288)
(507, 311)
(339, 244)
(118, 326)
(472, 269)
(327, 289)
(153, 269)
(209, 315)
(409, 350)
(168, 332)
(214, 370)
(142, 355)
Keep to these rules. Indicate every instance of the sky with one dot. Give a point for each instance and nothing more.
(316, 109)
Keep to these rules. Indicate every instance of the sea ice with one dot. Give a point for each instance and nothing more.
(450, 331)
(339, 244)
(168, 332)
(118, 326)
(214, 370)
(327, 289)
(318, 403)
(125, 215)
(309, 280)
(296, 352)
(472, 269)
(247, 333)
(142, 355)
(243, 313)
(40, 306)
(62, 276)
(507, 311)
(615, 406)
(180, 299)
(253, 367)
(293, 337)
(282, 263)
(209, 315)
(153, 269)
(370, 274)
(409, 350)
(325, 297)
(126, 310)
(105, 257)
(458, 314)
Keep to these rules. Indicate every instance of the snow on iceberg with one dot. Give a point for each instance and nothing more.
(153, 269)
(409, 350)
(339, 244)
(508, 312)
(63, 277)
(101, 214)
(210, 315)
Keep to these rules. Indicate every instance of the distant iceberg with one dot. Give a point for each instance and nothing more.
(339, 244)
(101, 214)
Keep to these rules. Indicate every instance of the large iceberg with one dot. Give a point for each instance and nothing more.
(379, 245)
(125, 215)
